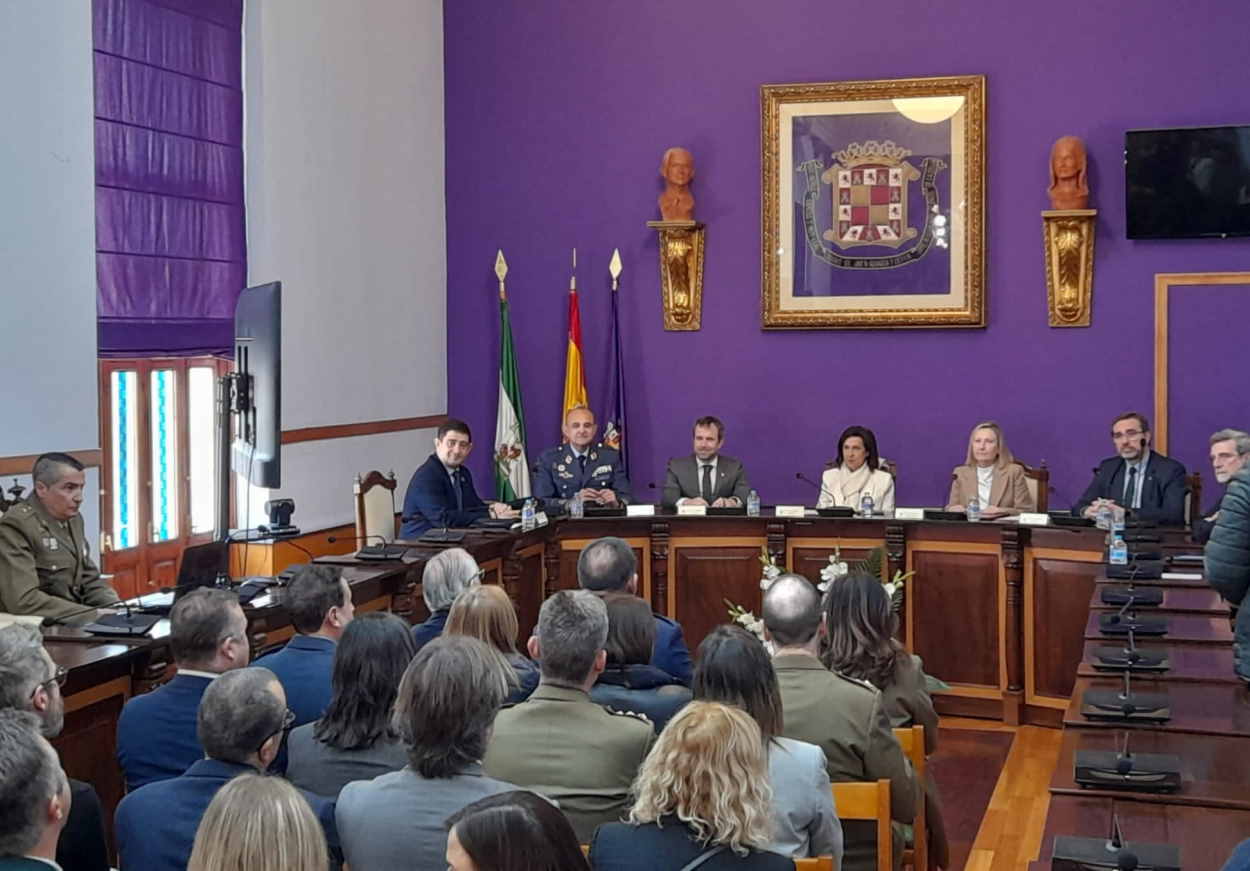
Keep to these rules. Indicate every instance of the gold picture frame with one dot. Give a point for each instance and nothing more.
(846, 166)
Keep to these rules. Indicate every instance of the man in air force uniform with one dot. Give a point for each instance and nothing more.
(581, 467)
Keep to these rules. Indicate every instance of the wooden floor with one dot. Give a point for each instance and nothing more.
(1011, 832)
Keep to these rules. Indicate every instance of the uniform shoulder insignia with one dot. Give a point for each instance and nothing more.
(22, 509)
(863, 684)
(634, 714)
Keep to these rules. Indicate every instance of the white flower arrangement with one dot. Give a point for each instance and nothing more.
(836, 570)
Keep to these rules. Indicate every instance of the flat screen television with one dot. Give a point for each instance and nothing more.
(1187, 182)
(258, 385)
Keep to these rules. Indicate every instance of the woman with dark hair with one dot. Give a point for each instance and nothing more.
(354, 739)
(857, 473)
(630, 682)
(486, 613)
(861, 644)
(446, 706)
(734, 668)
(512, 831)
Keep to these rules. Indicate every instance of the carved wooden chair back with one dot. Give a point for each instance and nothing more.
(375, 507)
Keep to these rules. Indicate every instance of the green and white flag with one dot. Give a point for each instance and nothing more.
(512, 469)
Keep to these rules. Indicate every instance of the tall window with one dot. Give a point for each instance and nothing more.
(158, 422)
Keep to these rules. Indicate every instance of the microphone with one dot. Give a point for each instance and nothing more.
(820, 487)
(333, 538)
(385, 551)
(1118, 616)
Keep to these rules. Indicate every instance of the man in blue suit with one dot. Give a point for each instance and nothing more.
(608, 565)
(34, 795)
(156, 733)
(441, 492)
(241, 723)
(320, 603)
(1146, 483)
(580, 468)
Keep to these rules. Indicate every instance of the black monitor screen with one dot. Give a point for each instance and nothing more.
(1187, 182)
(258, 355)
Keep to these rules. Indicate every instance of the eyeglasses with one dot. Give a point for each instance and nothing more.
(288, 720)
(1127, 434)
(58, 677)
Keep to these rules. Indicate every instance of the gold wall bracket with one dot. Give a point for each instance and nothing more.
(1068, 236)
(681, 273)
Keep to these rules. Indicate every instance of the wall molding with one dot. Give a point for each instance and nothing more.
(21, 465)
(349, 430)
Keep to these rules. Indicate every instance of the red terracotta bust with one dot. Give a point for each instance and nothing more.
(677, 169)
(1069, 188)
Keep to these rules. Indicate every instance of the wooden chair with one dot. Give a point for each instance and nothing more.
(1193, 498)
(1038, 481)
(868, 801)
(815, 863)
(375, 507)
(911, 739)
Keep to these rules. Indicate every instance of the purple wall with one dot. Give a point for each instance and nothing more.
(558, 112)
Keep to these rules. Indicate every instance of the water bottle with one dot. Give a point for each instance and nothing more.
(866, 505)
(974, 510)
(528, 521)
(753, 504)
(1103, 517)
(576, 508)
(1118, 554)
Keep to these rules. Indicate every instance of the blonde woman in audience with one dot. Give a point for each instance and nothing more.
(702, 792)
(258, 823)
(486, 613)
(991, 475)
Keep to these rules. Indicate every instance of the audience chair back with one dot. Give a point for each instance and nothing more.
(375, 507)
(815, 863)
(1038, 481)
(868, 801)
(1193, 498)
(911, 739)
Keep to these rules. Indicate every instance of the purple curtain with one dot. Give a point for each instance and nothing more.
(171, 252)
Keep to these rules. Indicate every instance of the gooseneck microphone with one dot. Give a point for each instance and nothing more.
(820, 487)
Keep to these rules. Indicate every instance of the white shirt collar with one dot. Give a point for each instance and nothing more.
(702, 463)
(194, 672)
(47, 862)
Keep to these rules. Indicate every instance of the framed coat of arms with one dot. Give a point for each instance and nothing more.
(874, 204)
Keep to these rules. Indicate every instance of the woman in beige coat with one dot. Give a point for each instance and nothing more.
(992, 475)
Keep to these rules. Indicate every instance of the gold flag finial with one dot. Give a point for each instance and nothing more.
(615, 266)
(501, 272)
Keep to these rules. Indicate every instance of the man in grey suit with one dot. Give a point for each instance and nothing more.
(706, 477)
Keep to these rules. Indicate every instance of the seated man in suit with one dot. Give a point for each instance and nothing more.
(30, 681)
(445, 576)
(582, 467)
(241, 723)
(844, 717)
(320, 603)
(560, 743)
(706, 477)
(1146, 483)
(156, 733)
(34, 795)
(1230, 448)
(441, 492)
(608, 565)
(45, 562)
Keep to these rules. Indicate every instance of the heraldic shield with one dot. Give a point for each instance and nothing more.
(870, 182)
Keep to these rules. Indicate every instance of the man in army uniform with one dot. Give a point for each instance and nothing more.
(842, 716)
(582, 467)
(560, 743)
(45, 563)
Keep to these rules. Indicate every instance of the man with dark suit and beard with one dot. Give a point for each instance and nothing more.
(1137, 479)
(706, 477)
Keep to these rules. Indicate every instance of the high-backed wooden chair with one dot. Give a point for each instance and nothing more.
(911, 739)
(375, 507)
(815, 863)
(1038, 481)
(1193, 498)
(868, 801)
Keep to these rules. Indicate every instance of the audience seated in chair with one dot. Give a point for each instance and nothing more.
(30, 681)
(629, 682)
(845, 717)
(447, 699)
(320, 604)
(446, 575)
(242, 721)
(257, 823)
(512, 831)
(860, 643)
(702, 790)
(559, 742)
(734, 668)
(34, 795)
(1230, 450)
(157, 732)
(355, 738)
(608, 565)
(486, 613)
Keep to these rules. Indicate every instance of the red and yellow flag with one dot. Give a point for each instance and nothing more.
(574, 371)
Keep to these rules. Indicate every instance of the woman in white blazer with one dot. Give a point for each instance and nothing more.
(857, 471)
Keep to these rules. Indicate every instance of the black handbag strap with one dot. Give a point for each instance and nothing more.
(702, 857)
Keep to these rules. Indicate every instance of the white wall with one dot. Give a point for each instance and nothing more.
(48, 395)
(345, 205)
